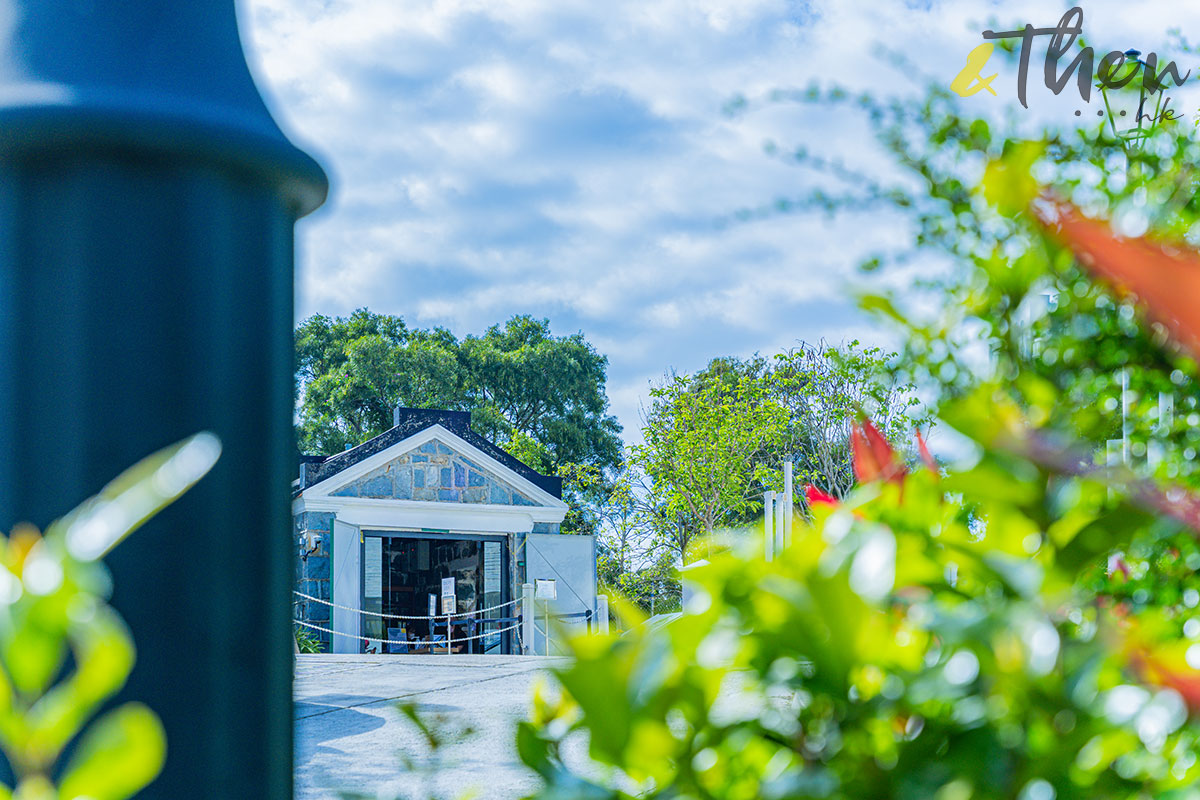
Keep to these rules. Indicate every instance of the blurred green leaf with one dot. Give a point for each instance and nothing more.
(135, 496)
(1008, 182)
(119, 755)
(64, 652)
(104, 659)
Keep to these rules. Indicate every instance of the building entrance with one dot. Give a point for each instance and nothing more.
(403, 577)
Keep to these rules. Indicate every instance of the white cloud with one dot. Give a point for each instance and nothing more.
(569, 159)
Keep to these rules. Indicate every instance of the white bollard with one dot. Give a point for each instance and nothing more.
(527, 618)
(602, 614)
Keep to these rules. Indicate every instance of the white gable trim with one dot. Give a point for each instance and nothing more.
(372, 513)
(323, 490)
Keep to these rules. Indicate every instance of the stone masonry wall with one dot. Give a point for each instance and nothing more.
(435, 473)
(312, 570)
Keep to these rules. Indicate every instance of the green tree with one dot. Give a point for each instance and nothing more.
(539, 396)
(351, 372)
(700, 439)
(631, 563)
(650, 584)
(824, 389)
(524, 381)
(322, 342)
(623, 525)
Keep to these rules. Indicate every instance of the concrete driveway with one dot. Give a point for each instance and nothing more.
(349, 737)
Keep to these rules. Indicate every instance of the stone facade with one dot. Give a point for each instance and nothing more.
(312, 569)
(433, 472)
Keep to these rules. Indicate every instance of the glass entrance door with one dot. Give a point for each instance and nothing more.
(402, 571)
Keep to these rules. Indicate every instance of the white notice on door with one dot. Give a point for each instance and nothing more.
(373, 567)
(448, 587)
(491, 567)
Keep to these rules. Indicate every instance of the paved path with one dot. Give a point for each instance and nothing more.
(350, 737)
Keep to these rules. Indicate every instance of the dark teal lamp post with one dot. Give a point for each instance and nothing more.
(147, 205)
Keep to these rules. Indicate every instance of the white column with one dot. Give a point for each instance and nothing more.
(1166, 411)
(779, 501)
(527, 619)
(788, 491)
(768, 524)
(602, 614)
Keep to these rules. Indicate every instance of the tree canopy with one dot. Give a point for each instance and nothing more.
(539, 396)
(703, 436)
(824, 388)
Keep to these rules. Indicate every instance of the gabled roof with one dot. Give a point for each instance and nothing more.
(413, 421)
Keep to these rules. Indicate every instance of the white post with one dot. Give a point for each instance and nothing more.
(602, 614)
(787, 503)
(779, 523)
(1166, 411)
(1156, 450)
(449, 636)
(527, 618)
(768, 527)
(546, 604)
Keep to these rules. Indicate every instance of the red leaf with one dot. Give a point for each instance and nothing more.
(1154, 670)
(884, 454)
(1164, 278)
(866, 468)
(816, 496)
(874, 458)
(926, 457)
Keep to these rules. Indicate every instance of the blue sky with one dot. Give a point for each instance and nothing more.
(570, 160)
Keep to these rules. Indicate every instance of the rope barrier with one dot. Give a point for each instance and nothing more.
(402, 616)
(440, 643)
